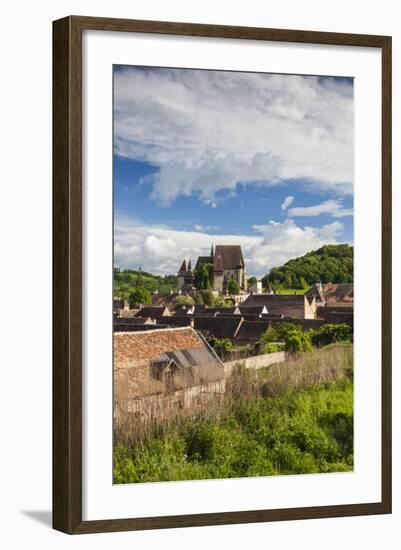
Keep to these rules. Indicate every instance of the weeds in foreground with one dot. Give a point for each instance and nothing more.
(292, 418)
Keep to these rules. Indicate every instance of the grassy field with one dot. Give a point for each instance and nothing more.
(293, 418)
(292, 291)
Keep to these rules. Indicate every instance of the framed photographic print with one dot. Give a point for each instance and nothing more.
(218, 194)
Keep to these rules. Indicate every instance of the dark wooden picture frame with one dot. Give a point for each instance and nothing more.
(67, 274)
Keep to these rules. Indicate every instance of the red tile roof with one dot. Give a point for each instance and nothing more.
(134, 353)
(140, 347)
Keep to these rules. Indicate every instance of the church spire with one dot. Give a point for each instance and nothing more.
(183, 266)
(212, 251)
(189, 268)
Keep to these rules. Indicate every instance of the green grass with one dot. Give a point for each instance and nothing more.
(301, 431)
(292, 290)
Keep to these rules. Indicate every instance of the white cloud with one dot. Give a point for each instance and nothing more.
(287, 202)
(160, 249)
(209, 130)
(331, 207)
(205, 228)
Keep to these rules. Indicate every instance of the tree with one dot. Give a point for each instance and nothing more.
(139, 280)
(203, 277)
(233, 287)
(330, 263)
(184, 301)
(139, 296)
(293, 336)
(208, 298)
(252, 281)
(301, 284)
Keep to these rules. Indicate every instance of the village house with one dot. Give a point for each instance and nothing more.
(121, 323)
(330, 293)
(176, 321)
(218, 327)
(336, 313)
(153, 312)
(296, 306)
(228, 264)
(159, 372)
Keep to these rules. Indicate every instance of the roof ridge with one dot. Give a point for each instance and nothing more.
(169, 329)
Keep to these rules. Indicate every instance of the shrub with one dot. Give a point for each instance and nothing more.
(184, 301)
(293, 337)
(331, 333)
(198, 300)
(222, 346)
(269, 336)
(221, 302)
(296, 341)
(208, 298)
(273, 347)
(233, 287)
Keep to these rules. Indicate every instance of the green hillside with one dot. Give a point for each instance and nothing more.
(329, 264)
(128, 280)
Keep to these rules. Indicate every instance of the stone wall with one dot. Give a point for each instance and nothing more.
(255, 362)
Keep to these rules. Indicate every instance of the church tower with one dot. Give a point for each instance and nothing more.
(218, 274)
(181, 275)
(185, 277)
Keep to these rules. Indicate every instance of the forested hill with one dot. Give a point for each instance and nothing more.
(126, 281)
(333, 263)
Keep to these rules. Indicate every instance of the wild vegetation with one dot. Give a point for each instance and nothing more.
(295, 339)
(328, 264)
(290, 418)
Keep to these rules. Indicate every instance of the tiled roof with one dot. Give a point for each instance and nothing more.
(136, 352)
(140, 347)
(231, 256)
(251, 331)
(123, 327)
(218, 327)
(132, 320)
(203, 260)
(218, 264)
(175, 321)
(251, 309)
(127, 313)
(214, 311)
(183, 266)
(332, 292)
(290, 305)
(341, 292)
(153, 311)
(183, 311)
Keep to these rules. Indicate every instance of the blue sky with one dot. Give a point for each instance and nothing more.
(265, 161)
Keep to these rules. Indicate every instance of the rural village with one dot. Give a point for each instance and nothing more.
(177, 353)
